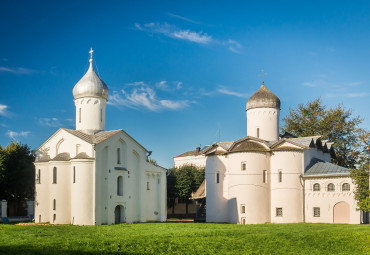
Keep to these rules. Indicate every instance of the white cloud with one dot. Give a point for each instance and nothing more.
(185, 34)
(350, 95)
(234, 46)
(225, 91)
(55, 122)
(184, 18)
(3, 111)
(17, 70)
(13, 135)
(172, 86)
(144, 97)
(174, 32)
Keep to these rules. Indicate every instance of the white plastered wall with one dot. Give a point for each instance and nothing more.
(266, 120)
(199, 161)
(326, 200)
(90, 114)
(246, 187)
(287, 194)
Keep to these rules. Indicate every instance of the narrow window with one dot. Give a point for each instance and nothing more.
(54, 175)
(54, 217)
(258, 132)
(279, 212)
(147, 185)
(74, 174)
(242, 208)
(331, 187)
(316, 212)
(119, 186)
(40, 218)
(54, 204)
(218, 178)
(77, 149)
(280, 176)
(264, 177)
(79, 115)
(243, 220)
(39, 176)
(346, 187)
(244, 166)
(316, 187)
(118, 156)
(101, 115)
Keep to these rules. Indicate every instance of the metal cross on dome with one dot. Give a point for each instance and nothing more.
(262, 74)
(91, 53)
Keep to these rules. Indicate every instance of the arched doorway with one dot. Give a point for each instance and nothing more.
(119, 214)
(341, 213)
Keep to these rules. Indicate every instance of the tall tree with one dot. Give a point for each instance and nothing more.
(188, 179)
(360, 177)
(17, 173)
(336, 124)
(171, 189)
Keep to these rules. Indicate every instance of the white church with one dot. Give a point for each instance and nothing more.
(270, 178)
(89, 176)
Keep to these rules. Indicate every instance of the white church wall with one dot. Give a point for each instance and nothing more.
(264, 121)
(326, 200)
(286, 194)
(60, 193)
(63, 141)
(217, 203)
(139, 205)
(42, 193)
(82, 172)
(247, 187)
(199, 161)
(90, 114)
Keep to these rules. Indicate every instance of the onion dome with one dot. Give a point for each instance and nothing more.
(90, 84)
(263, 98)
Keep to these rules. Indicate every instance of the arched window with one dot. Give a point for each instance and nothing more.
(119, 186)
(346, 187)
(54, 204)
(118, 155)
(331, 187)
(54, 175)
(264, 176)
(316, 187)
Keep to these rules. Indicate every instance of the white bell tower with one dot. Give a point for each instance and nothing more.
(263, 112)
(90, 96)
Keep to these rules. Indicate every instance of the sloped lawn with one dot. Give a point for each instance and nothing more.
(186, 238)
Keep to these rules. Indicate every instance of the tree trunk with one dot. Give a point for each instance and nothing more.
(186, 207)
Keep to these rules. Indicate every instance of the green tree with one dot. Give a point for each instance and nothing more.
(171, 189)
(336, 124)
(152, 161)
(360, 177)
(188, 179)
(17, 173)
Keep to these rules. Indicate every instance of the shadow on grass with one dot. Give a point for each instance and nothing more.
(22, 249)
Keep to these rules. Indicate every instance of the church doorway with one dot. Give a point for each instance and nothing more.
(341, 213)
(119, 214)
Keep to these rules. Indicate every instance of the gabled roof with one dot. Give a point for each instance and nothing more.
(64, 156)
(249, 143)
(93, 139)
(305, 141)
(320, 168)
(201, 191)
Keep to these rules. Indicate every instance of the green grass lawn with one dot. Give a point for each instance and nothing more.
(186, 238)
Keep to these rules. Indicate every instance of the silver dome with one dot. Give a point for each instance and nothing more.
(90, 85)
(263, 98)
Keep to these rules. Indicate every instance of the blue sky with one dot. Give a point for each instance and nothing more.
(179, 72)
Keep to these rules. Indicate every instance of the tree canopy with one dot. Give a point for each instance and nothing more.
(17, 172)
(360, 177)
(336, 124)
(182, 181)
